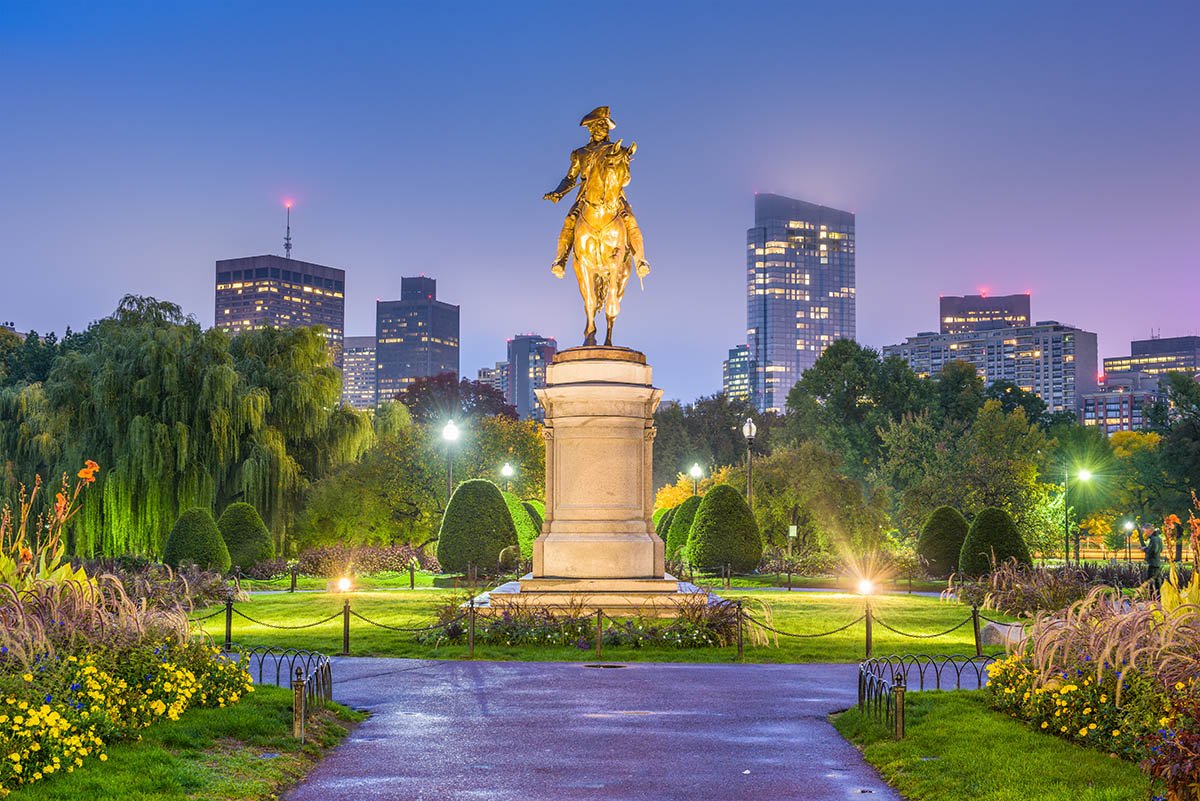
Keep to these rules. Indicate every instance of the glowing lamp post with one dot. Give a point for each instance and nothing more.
(1081, 475)
(1128, 536)
(507, 471)
(450, 436)
(749, 431)
(695, 473)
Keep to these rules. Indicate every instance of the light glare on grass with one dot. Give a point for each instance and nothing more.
(866, 587)
(343, 585)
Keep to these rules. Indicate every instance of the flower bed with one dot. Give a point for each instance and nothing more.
(1115, 676)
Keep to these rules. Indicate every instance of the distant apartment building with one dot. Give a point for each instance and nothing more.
(495, 377)
(1158, 356)
(1054, 361)
(736, 372)
(415, 337)
(358, 372)
(1122, 402)
(800, 291)
(272, 291)
(528, 357)
(960, 314)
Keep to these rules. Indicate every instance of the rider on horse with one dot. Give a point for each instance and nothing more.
(583, 161)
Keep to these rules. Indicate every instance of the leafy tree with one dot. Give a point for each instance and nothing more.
(179, 417)
(672, 495)
(486, 443)
(723, 532)
(993, 536)
(707, 432)
(681, 526)
(246, 536)
(527, 531)
(195, 540)
(942, 540)
(443, 397)
(1012, 397)
(477, 526)
(959, 393)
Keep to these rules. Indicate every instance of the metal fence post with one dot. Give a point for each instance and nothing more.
(739, 625)
(229, 624)
(295, 569)
(471, 630)
(298, 709)
(345, 629)
(898, 692)
(599, 632)
(789, 584)
(975, 624)
(870, 645)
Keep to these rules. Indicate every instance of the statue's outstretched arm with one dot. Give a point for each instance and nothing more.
(568, 181)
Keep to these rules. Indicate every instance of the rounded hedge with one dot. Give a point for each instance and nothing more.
(993, 535)
(196, 540)
(527, 530)
(246, 536)
(681, 526)
(664, 524)
(537, 513)
(658, 514)
(724, 532)
(941, 540)
(476, 527)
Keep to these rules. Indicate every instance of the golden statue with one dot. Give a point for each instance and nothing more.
(600, 227)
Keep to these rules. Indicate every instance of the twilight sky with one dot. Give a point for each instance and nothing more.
(1043, 146)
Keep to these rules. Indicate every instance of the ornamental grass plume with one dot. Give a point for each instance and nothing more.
(1105, 633)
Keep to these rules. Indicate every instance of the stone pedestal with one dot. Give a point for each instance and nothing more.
(598, 548)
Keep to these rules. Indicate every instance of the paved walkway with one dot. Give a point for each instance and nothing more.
(443, 730)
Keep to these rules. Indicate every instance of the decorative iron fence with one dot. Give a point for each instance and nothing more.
(308, 673)
(883, 682)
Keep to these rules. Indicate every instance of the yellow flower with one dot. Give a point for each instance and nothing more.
(104, 757)
(28, 677)
(1116, 732)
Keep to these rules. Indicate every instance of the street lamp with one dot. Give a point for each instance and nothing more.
(748, 431)
(450, 435)
(695, 473)
(1128, 536)
(1083, 475)
(507, 472)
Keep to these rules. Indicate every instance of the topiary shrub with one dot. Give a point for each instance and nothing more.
(246, 536)
(527, 531)
(993, 535)
(658, 513)
(941, 540)
(537, 513)
(476, 527)
(681, 526)
(724, 532)
(664, 524)
(196, 540)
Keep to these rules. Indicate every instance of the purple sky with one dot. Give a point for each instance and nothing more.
(1051, 147)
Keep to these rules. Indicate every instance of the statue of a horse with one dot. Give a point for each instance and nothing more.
(603, 256)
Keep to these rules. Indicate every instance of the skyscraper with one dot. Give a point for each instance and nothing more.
(528, 357)
(960, 314)
(495, 377)
(1122, 402)
(736, 372)
(1157, 356)
(358, 372)
(799, 291)
(273, 291)
(415, 337)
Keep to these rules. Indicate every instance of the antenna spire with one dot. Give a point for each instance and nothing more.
(287, 239)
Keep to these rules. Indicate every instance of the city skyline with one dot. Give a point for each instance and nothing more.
(131, 177)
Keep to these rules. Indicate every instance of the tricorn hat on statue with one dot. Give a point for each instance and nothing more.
(597, 114)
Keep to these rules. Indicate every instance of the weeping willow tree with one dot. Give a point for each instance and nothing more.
(180, 417)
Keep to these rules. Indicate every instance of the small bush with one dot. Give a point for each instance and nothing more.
(664, 524)
(681, 526)
(246, 536)
(724, 532)
(992, 539)
(527, 531)
(658, 513)
(196, 540)
(941, 540)
(476, 527)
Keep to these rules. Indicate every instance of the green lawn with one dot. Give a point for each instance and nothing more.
(382, 581)
(958, 748)
(243, 752)
(807, 612)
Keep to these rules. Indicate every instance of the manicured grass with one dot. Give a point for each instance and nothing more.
(382, 581)
(243, 752)
(955, 747)
(807, 612)
(838, 583)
